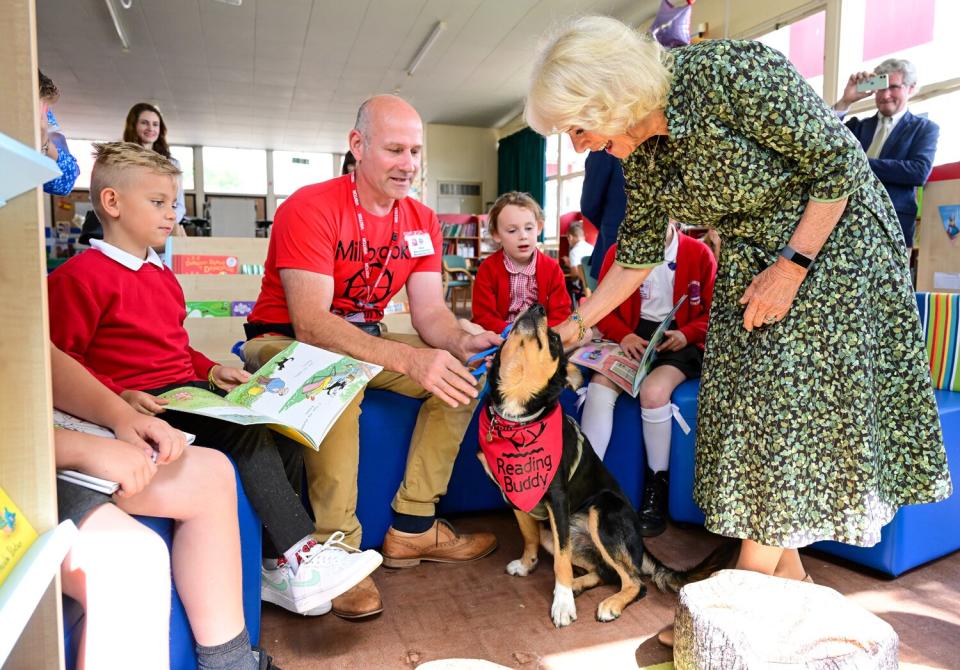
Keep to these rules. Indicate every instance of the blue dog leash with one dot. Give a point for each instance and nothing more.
(482, 369)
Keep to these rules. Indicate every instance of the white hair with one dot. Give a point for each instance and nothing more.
(904, 67)
(596, 73)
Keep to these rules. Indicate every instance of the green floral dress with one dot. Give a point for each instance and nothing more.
(820, 426)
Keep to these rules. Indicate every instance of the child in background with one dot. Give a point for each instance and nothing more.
(519, 274)
(118, 569)
(118, 311)
(688, 268)
(579, 249)
(52, 142)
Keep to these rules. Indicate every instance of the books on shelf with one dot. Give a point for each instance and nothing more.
(300, 393)
(215, 308)
(612, 362)
(205, 264)
(16, 535)
(459, 229)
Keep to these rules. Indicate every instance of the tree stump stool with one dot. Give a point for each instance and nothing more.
(739, 619)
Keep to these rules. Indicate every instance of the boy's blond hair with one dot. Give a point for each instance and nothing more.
(116, 163)
(517, 199)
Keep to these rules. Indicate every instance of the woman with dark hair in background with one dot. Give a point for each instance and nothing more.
(145, 127)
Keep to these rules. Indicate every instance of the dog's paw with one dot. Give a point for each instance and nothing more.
(609, 610)
(518, 568)
(564, 610)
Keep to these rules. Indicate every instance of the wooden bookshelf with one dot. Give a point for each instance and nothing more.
(26, 455)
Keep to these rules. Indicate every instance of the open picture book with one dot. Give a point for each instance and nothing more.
(612, 362)
(300, 393)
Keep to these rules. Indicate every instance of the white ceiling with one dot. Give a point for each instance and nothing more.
(290, 74)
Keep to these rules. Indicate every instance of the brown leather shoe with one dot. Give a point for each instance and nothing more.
(361, 601)
(441, 544)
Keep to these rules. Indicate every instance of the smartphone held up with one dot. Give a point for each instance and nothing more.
(874, 83)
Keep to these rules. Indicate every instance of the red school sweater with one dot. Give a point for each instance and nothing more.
(124, 326)
(695, 275)
(491, 292)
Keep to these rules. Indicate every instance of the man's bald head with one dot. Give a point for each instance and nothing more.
(373, 111)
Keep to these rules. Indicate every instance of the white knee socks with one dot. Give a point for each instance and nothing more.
(657, 424)
(597, 420)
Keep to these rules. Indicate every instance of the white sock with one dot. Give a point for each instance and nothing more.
(657, 424)
(597, 420)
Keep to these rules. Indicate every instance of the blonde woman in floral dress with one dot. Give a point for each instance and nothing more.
(816, 416)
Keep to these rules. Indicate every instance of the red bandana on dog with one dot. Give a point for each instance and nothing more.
(523, 457)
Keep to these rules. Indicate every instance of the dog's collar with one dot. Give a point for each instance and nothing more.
(510, 420)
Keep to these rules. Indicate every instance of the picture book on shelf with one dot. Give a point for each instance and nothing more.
(300, 393)
(204, 264)
(612, 362)
(16, 534)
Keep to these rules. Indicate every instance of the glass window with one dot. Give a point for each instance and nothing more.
(942, 110)
(82, 150)
(553, 155)
(571, 161)
(293, 169)
(241, 171)
(564, 184)
(881, 29)
(802, 42)
(184, 156)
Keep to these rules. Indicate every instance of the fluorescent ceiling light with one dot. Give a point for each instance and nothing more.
(425, 47)
(121, 33)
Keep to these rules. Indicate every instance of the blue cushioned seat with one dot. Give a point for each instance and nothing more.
(182, 655)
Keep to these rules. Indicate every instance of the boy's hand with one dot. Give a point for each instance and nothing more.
(634, 346)
(154, 434)
(144, 402)
(673, 340)
(228, 378)
(131, 466)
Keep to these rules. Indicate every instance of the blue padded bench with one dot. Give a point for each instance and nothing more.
(386, 424)
(916, 535)
(182, 655)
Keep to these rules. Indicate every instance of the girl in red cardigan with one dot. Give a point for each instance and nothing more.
(689, 268)
(518, 275)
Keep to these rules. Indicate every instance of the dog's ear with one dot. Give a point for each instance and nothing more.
(574, 376)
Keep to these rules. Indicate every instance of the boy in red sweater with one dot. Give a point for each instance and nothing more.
(689, 268)
(518, 275)
(117, 310)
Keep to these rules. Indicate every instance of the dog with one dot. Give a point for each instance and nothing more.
(563, 496)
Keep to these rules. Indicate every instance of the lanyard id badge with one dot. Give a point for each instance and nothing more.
(418, 243)
(364, 246)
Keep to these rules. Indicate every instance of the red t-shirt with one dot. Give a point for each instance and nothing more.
(316, 229)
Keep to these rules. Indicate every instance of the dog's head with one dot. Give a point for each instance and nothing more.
(530, 369)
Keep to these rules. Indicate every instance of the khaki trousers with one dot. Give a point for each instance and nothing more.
(332, 471)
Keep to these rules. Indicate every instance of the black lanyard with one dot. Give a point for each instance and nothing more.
(365, 303)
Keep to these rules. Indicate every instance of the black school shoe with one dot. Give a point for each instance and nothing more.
(653, 510)
(266, 661)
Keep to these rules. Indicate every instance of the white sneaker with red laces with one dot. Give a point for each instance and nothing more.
(323, 572)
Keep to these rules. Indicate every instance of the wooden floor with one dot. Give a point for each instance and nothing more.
(478, 611)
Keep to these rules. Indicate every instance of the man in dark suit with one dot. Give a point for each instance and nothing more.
(899, 145)
(603, 201)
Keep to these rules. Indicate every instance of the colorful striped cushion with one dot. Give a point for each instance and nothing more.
(940, 319)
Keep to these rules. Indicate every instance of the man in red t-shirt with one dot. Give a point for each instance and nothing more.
(338, 252)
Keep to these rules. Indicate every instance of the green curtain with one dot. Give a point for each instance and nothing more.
(522, 164)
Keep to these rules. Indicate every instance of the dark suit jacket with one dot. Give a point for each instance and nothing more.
(603, 201)
(904, 163)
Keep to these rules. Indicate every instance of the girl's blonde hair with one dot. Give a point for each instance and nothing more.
(598, 74)
(517, 199)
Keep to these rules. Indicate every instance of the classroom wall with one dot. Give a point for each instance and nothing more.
(460, 153)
